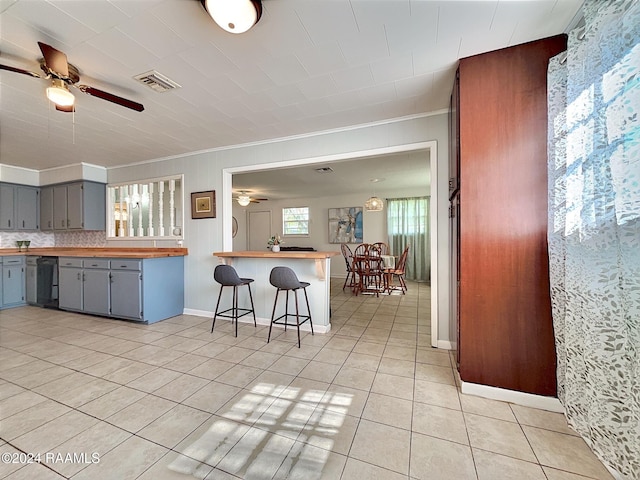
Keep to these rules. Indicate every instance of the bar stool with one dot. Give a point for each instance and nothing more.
(283, 278)
(227, 276)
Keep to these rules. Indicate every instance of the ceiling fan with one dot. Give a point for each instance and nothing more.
(64, 75)
(244, 199)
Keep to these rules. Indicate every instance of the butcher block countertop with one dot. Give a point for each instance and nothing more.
(281, 254)
(98, 252)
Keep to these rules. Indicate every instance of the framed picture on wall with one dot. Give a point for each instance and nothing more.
(203, 204)
(345, 225)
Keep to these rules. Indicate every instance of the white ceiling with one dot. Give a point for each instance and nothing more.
(308, 65)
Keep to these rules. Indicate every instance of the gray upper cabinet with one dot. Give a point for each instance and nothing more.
(46, 208)
(79, 206)
(60, 217)
(19, 205)
(7, 207)
(27, 206)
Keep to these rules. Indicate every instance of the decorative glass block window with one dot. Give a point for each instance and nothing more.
(146, 209)
(295, 221)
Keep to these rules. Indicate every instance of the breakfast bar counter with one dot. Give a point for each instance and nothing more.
(312, 267)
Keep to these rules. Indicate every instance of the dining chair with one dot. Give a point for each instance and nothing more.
(367, 265)
(397, 272)
(384, 248)
(348, 258)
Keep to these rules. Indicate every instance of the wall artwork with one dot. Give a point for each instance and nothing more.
(203, 204)
(345, 225)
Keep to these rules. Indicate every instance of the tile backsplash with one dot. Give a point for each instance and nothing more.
(48, 239)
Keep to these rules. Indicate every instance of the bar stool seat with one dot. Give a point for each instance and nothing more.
(283, 278)
(227, 276)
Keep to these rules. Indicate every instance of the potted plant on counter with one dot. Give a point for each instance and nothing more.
(274, 242)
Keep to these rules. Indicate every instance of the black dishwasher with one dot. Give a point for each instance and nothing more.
(45, 283)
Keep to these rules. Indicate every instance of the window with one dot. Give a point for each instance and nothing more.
(295, 221)
(145, 209)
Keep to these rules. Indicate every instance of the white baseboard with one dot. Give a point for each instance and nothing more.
(551, 404)
(259, 320)
(446, 345)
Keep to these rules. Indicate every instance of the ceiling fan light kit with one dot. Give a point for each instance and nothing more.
(234, 16)
(64, 75)
(59, 93)
(244, 200)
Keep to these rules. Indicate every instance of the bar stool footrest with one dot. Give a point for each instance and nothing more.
(303, 319)
(223, 313)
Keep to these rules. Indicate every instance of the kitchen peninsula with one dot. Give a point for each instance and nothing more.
(140, 284)
(312, 267)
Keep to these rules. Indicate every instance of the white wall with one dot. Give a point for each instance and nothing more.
(204, 171)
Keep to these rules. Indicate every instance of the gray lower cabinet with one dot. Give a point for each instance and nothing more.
(95, 287)
(13, 281)
(70, 284)
(126, 294)
(147, 290)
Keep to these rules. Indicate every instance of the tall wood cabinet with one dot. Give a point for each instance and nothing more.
(499, 220)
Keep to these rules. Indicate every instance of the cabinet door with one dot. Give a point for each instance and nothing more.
(96, 291)
(74, 206)
(60, 217)
(7, 207)
(12, 284)
(46, 208)
(28, 202)
(70, 288)
(126, 298)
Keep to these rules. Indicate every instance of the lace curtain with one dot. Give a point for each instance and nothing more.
(594, 229)
(408, 224)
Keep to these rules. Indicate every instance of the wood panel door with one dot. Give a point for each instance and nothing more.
(506, 332)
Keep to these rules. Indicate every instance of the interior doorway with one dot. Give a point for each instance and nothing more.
(430, 146)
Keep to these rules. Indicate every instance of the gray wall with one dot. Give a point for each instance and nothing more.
(204, 171)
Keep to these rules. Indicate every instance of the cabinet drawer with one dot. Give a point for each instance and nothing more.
(32, 260)
(96, 263)
(117, 264)
(70, 262)
(13, 261)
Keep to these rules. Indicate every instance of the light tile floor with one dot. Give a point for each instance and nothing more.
(370, 400)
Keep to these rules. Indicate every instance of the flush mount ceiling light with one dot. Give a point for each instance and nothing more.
(374, 204)
(234, 16)
(59, 93)
(244, 200)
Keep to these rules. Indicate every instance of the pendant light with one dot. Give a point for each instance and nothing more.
(374, 204)
(234, 16)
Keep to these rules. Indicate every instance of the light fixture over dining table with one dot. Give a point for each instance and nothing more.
(374, 204)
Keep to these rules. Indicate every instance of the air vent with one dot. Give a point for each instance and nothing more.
(324, 170)
(156, 81)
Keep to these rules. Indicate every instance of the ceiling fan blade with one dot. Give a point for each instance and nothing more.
(68, 109)
(19, 70)
(55, 60)
(94, 92)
